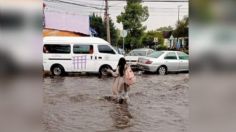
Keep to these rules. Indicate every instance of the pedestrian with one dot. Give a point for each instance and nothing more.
(124, 77)
(90, 49)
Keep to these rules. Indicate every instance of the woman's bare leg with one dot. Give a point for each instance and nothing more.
(126, 92)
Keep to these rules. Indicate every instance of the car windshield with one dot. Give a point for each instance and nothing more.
(155, 54)
(137, 53)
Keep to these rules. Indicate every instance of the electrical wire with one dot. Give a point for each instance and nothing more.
(174, 1)
(76, 4)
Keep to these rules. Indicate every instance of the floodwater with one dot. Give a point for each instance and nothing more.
(76, 104)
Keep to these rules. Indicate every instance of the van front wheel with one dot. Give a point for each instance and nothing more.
(57, 70)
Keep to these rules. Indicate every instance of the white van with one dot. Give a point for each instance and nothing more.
(78, 54)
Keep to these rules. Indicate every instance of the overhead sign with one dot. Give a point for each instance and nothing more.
(171, 37)
(124, 33)
(155, 39)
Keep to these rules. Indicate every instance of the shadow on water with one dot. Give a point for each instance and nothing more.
(121, 116)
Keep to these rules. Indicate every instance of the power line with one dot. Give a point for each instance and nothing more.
(154, 0)
(64, 12)
(152, 8)
(160, 11)
(87, 3)
(102, 6)
(149, 6)
(77, 4)
(116, 4)
(156, 13)
(60, 9)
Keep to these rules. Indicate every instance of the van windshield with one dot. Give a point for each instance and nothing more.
(105, 49)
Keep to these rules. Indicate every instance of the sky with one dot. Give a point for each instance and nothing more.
(160, 13)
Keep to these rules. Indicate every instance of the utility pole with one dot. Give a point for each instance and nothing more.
(107, 22)
(44, 5)
(178, 23)
(178, 11)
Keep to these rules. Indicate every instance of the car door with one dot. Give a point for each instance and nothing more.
(171, 61)
(183, 61)
(83, 57)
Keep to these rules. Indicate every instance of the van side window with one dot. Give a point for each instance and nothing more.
(83, 49)
(105, 49)
(56, 49)
(171, 56)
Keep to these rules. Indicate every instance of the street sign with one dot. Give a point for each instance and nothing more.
(124, 33)
(171, 37)
(155, 40)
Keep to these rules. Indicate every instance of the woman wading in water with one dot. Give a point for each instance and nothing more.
(120, 86)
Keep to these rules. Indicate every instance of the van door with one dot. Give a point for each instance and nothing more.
(107, 55)
(83, 57)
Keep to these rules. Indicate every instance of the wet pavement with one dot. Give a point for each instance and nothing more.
(76, 104)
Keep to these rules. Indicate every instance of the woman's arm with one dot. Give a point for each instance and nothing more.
(113, 73)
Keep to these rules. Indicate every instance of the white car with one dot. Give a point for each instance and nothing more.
(78, 54)
(164, 61)
(133, 55)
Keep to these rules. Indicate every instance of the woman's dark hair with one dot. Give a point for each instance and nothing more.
(121, 65)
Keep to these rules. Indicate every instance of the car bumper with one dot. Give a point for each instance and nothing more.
(150, 68)
(133, 65)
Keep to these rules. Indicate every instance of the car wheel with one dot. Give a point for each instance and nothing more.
(58, 70)
(103, 71)
(162, 70)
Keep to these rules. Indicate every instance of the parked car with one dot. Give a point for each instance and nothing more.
(119, 50)
(133, 55)
(122, 51)
(78, 54)
(164, 61)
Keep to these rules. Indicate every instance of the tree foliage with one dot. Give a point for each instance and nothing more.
(148, 39)
(161, 29)
(97, 23)
(132, 19)
(182, 28)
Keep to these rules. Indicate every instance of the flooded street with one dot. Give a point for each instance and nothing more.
(76, 104)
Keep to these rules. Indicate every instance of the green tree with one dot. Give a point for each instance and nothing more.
(148, 39)
(97, 23)
(161, 29)
(132, 19)
(181, 28)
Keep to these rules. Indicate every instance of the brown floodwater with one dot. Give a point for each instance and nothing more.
(76, 104)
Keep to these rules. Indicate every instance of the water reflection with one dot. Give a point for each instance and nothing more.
(121, 116)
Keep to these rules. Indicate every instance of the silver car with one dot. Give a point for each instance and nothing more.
(132, 56)
(164, 61)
